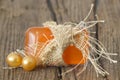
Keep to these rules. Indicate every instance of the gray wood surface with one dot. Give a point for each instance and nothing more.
(109, 34)
(17, 15)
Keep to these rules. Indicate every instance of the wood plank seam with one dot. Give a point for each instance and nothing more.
(53, 14)
(50, 7)
(96, 3)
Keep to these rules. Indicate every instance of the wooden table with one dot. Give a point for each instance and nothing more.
(17, 15)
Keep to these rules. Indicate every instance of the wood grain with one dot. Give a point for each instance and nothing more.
(18, 15)
(109, 34)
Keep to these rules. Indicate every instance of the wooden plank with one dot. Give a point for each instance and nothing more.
(16, 16)
(109, 33)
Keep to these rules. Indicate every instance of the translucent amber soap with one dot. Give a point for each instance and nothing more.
(36, 37)
(73, 55)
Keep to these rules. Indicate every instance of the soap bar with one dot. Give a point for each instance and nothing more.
(37, 37)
